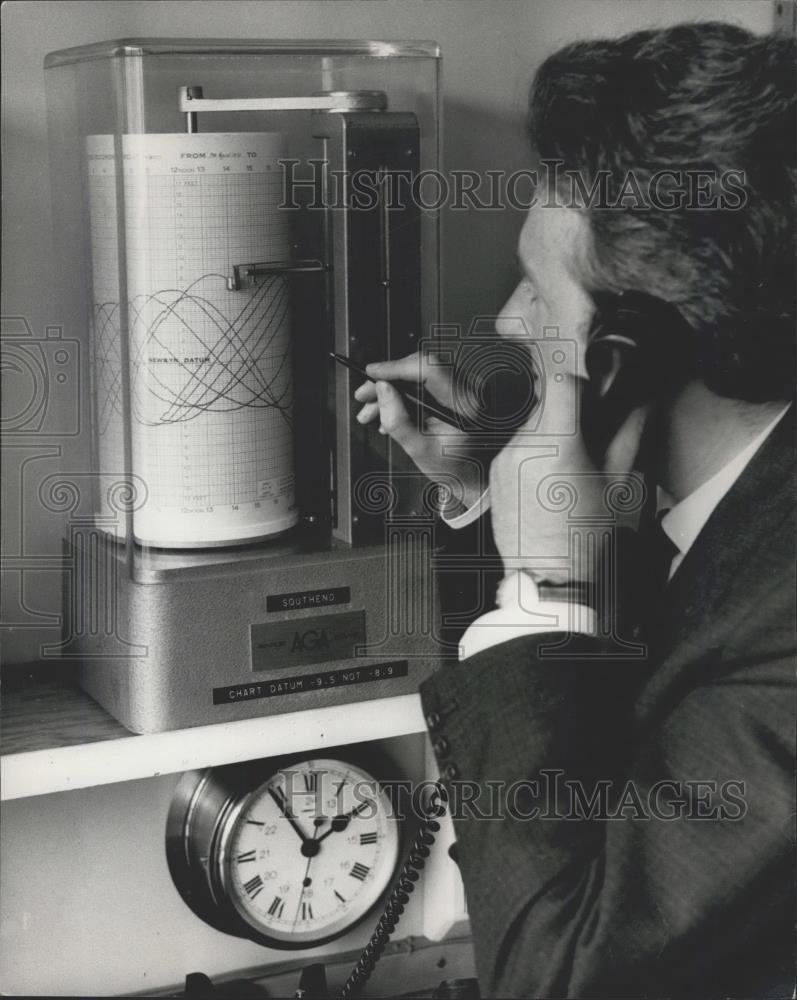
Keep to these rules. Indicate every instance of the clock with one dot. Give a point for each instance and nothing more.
(291, 853)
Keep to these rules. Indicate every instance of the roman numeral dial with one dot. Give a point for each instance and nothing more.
(254, 886)
(297, 855)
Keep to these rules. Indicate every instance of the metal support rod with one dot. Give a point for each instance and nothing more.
(191, 101)
(384, 229)
(239, 271)
(191, 120)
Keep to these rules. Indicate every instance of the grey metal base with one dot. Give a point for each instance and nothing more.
(183, 651)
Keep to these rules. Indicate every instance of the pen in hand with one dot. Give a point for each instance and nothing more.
(426, 407)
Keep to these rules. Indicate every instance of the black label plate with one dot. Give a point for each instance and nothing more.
(325, 681)
(282, 645)
(299, 600)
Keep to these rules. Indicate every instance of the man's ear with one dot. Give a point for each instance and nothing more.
(603, 375)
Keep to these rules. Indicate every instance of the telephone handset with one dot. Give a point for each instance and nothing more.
(638, 350)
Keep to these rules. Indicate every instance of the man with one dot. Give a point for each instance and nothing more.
(681, 883)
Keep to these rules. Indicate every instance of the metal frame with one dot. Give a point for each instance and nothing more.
(356, 132)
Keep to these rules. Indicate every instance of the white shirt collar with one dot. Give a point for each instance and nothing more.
(685, 520)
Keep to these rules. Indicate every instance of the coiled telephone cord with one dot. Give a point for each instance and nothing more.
(394, 907)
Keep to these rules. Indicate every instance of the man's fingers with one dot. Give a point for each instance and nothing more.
(395, 420)
(368, 413)
(365, 393)
(419, 370)
(408, 369)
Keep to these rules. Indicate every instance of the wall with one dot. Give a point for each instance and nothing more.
(89, 907)
(490, 52)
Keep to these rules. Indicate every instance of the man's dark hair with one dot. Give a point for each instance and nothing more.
(696, 97)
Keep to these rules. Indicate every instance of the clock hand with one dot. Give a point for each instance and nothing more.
(279, 797)
(339, 823)
(301, 894)
(309, 849)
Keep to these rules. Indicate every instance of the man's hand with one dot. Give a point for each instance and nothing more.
(438, 450)
(542, 478)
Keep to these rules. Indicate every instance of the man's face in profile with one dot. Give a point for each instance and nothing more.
(552, 251)
(550, 294)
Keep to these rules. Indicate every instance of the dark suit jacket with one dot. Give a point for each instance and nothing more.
(641, 905)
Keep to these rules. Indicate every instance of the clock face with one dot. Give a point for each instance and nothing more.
(309, 852)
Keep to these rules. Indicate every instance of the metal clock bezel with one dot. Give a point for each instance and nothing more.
(202, 817)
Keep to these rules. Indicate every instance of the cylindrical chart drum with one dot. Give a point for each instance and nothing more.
(210, 368)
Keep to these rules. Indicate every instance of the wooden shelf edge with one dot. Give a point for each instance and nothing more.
(44, 771)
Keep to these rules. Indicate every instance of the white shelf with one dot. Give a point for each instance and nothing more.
(111, 757)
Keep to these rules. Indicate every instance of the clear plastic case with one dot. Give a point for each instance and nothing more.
(226, 214)
(211, 407)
